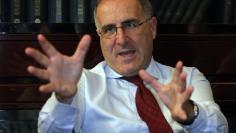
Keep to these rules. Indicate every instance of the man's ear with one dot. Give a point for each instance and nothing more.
(154, 27)
(98, 32)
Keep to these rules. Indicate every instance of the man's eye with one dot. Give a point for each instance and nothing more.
(109, 29)
(130, 24)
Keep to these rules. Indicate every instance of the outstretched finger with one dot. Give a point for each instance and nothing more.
(83, 47)
(40, 73)
(47, 88)
(38, 56)
(46, 46)
(150, 80)
(178, 70)
(182, 81)
(188, 92)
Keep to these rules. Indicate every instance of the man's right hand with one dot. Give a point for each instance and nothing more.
(63, 72)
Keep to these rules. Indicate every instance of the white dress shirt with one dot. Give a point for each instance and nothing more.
(104, 103)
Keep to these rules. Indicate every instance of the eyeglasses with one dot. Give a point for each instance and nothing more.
(129, 26)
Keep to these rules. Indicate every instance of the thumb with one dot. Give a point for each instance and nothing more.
(82, 47)
(150, 80)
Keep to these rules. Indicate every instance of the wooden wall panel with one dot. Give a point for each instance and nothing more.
(212, 54)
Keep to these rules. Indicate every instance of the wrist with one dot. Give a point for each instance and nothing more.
(193, 113)
(66, 96)
(64, 100)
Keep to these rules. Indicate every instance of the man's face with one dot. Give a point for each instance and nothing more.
(126, 53)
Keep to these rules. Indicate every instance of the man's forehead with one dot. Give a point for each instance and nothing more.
(116, 11)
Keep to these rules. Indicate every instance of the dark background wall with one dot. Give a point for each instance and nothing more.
(202, 33)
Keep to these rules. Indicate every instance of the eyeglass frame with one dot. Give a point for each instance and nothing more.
(123, 27)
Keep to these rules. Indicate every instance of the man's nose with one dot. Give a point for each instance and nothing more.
(121, 36)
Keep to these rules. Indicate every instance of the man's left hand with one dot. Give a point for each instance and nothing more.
(175, 95)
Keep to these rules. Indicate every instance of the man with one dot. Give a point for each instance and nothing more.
(101, 100)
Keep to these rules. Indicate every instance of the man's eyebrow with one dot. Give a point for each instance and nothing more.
(126, 21)
(129, 20)
(108, 25)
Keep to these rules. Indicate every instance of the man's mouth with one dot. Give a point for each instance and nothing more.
(127, 53)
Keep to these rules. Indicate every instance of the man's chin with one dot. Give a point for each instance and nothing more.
(129, 71)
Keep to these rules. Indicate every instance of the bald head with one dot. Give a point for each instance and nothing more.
(145, 4)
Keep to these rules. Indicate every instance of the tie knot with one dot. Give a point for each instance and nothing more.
(134, 79)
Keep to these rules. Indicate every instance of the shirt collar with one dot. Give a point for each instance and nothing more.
(152, 69)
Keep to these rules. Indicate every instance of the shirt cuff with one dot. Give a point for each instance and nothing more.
(64, 113)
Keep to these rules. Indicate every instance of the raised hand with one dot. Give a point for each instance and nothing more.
(63, 72)
(175, 95)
